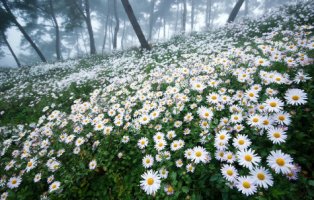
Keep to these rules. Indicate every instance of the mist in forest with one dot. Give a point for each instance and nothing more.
(34, 31)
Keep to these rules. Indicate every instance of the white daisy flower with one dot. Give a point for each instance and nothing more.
(14, 182)
(144, 119)
(229, 157)
(205, 113)
(276, 135)
(200, 155)
(171, 135)
(179, 163)
(54, 186)
(188, 153)
(37, 177)
(223, 136)
(262, 177)
(190, 167)
(198, 86)
(159, 136)
(160, 145)
(254, 120)
(150, 182)
(213, 98)
(248, 158)
(92, 164)
(241, 142)
(273, 104)
(163, 172)
(295, 96)
(142, 143)
(148, 161)
(282, 118)
(31, 164)
(229, 172)
(246, 185)
(280, 162)
(169, 189)
(79, 141)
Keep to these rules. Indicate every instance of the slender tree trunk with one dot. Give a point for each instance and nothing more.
(151, 19)
(164, 23)
(139, 33)
(208, 13)
(84, 42)
(110, 36)
(235, 11)
(27, 37)
(89, 28)
(10, 48)
(106, 28)
(116, 29)
(123, 35)
(105, 37)
(78, 44)
(246, 8)
(184, 16)
(192, 14)
(177, 17)
(58, 41)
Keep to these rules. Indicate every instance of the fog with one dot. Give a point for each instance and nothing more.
(46, 20)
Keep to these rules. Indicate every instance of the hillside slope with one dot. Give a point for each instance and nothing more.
(223, 114)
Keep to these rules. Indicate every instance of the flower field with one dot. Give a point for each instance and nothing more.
(226, 114)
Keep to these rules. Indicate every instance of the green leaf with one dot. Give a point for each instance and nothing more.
(185, 189)
(311, 182)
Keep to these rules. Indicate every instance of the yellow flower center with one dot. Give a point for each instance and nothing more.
(261, 176)
(198, 154)
(246, 184)
(229, 172)
(170, 189)
(147, 161)
(236, 118)
(266, 122)
(255, 120)
(241, 142)
(206, 114)
(251, 95)
(150, 181)
(273, 104)
(276, 135)
(29, 164)
(295, 97)
(14, 181)
(281, 118)
(229, 156)
(248, 158)
(54, 186)
(222, 137)
(280, 161)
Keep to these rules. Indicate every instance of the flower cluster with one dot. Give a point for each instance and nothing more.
(215, 104)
